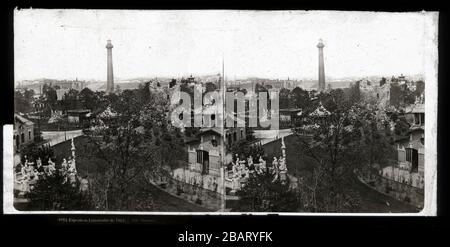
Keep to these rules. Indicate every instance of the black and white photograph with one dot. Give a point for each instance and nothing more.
(205, 112)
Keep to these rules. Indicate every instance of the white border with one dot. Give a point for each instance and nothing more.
(430, 62)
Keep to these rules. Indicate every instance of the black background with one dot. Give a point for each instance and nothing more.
(287, 231)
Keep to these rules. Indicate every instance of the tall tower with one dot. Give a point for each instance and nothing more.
(109, 73)
(321, 86)
(223, 75)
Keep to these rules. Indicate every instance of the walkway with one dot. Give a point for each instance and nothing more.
(55, 137)
(266, 136)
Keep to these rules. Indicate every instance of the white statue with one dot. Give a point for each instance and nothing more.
(64, 165)
(262, 163)
(249, 161)
(283, 170)
(274, 164)
(51, 167)
(72, 168)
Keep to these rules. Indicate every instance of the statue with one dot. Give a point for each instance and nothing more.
(275, 169)
(274, 165)
(283, 170)
(249, 161)
(64, 165)
(262, 164)
(51, 167)
(71, 167)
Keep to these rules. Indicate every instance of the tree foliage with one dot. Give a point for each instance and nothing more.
(55, 193)
(23, 101)
(137, 139)
(260, 194)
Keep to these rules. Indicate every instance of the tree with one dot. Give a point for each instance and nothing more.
(70, 100)
(23, 102)
(118, 89)
(260, 194)
(88, 99)
(355, 92)
(135, 141)
(395, 94)
(51, 99)
(55, 193)
(401, 127)
(334, 145)
(172, 83)
(420, 88)
(32, 152)
(260, 88)
(210, 87)
(300, 98)
(284, 98)
(244, 150)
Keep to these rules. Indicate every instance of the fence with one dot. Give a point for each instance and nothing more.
(193, 193)
(400, 191)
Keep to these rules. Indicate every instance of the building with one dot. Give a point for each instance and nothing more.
(289, 117)
(23, 131)
(411, 150)
(78, 116)
(205, 151)
(208, 147)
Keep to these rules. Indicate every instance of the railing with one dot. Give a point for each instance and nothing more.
(191, 192)
(400, 191)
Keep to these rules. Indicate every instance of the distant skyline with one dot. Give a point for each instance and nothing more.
(69, 44)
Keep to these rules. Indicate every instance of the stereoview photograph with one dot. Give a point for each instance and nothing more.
(222, 112)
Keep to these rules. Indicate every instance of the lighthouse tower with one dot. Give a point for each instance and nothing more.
(109, 72)
(321, 84)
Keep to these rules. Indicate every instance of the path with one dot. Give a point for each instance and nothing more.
(55, 137)
(266, 136)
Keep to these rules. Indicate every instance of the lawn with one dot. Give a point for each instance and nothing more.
(296, 161)
(87, 161)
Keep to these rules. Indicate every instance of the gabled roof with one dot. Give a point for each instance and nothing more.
(214, 130)
(22, 120)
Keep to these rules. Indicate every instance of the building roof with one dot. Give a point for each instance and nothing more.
(79, 111)
(290, 110)
(214, 130)
(22, 120)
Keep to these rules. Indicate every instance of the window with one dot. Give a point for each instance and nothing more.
(29, 135)
(412, 156)
(22, 138)
(234, 136)
(199, 156)
(417, 118)
(409, 154)
(214, 143)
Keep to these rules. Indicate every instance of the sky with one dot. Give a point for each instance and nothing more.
(69, 44)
